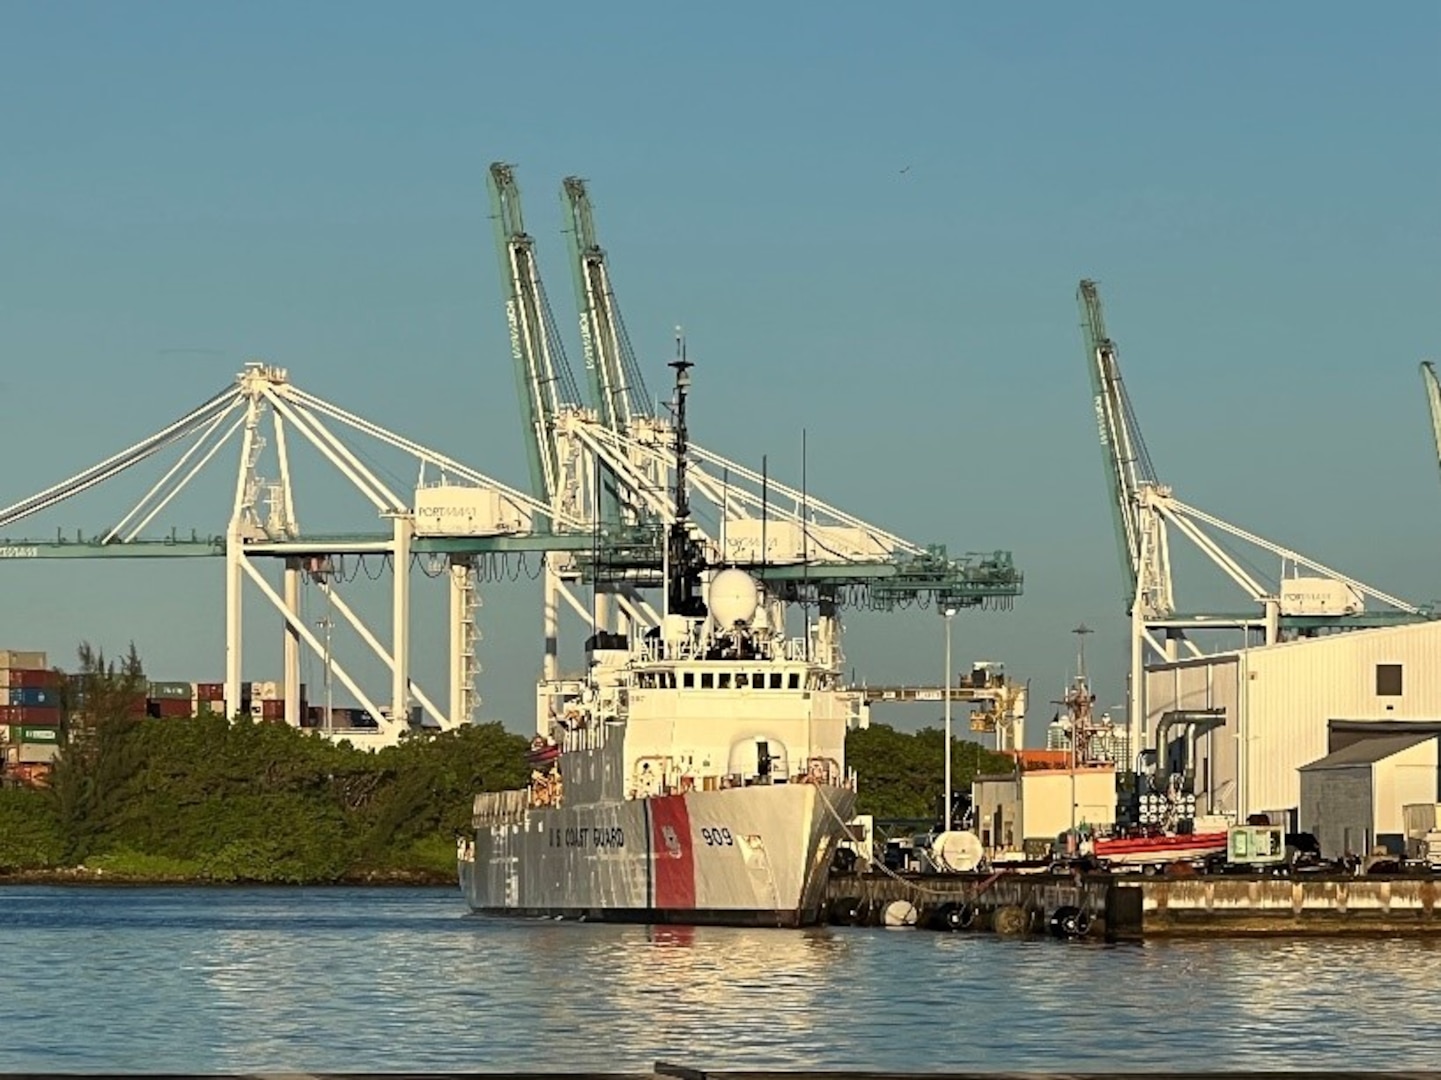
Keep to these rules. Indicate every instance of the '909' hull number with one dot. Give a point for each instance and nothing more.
(719, 836)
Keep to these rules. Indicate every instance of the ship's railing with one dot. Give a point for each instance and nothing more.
(500, 807)
(653, 650)
(658, 775)
(590, 734)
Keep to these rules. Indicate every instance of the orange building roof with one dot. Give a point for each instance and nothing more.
(1040, 759)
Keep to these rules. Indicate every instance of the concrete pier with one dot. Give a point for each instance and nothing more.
(1127, 906)
(1302, 905)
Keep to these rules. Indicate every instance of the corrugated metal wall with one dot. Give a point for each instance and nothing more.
(1293, 691)
(1296, 688)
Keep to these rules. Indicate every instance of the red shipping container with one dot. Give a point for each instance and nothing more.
(30, 715)
(31, 774)
(210, 691)
(171, 708)
(34, 677)
(272, 710)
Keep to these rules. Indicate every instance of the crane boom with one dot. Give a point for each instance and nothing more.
(616, 385)
(544, 378)
(1128, 463)
(1433, 399)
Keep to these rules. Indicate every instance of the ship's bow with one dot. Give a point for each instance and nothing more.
(829, 811)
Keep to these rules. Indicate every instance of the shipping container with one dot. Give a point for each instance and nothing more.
(272, 710)
(31, 774)
(210, 691)
(265, 691)
(29, 695)
(29, 677)
(171, 690)
(169, 708)
(31, 753)
(35, 734)
(30, 715)
(16, 658)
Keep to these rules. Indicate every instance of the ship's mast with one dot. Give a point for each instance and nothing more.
(685, 561)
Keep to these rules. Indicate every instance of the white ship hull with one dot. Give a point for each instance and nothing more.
(755, 855)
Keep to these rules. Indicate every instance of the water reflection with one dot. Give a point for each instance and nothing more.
(397, 980)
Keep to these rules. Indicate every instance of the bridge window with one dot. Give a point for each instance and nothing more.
(742, 680)
(725, 680)
(795, 680)
(707, 680)
(687, 680)
(777, 680)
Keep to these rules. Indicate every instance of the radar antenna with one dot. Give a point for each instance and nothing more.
(686, 559)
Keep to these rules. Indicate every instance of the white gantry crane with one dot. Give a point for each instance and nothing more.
(612, 463)
(1433, 404)
(1305, 597)
(450, 521)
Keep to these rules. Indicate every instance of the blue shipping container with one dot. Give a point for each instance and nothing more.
(30, 695)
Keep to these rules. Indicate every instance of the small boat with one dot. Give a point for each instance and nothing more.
(1159, 848)
(542, 752)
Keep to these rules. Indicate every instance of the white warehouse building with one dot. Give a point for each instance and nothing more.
(1287, 705)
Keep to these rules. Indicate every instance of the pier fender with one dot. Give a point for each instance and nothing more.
(849, 911)
(899, 914)
(1011, 921)
(955, 916)
(1069, 922)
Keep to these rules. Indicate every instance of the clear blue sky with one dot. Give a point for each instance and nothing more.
(1255, 187)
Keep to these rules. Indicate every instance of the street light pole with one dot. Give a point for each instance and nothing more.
(326, 623)
(946, 816)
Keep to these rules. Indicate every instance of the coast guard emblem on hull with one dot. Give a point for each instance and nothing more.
(672, 841)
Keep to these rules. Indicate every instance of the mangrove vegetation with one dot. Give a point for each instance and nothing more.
(211, 799)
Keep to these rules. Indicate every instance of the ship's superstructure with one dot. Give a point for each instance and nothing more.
(695, 773)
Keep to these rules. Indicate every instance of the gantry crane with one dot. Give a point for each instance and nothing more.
(547, 390)
(1145, 509)
(804, 550)
(443, 527)
(1141, 540)
(1433, 402)
(546, 383)
(618, 391)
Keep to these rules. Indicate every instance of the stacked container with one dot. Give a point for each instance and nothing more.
(29, 707)
(342, 717)
(29, 695)
(210, 699)
(170, 700)
(266, 700)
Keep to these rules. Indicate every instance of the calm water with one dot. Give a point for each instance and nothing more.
(176, 980)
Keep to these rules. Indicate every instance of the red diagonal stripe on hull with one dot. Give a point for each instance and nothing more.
(672, 853)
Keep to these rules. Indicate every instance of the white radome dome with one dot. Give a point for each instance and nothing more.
(733, 598)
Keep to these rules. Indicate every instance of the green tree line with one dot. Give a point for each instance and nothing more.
(903, 775)
(234, 800)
